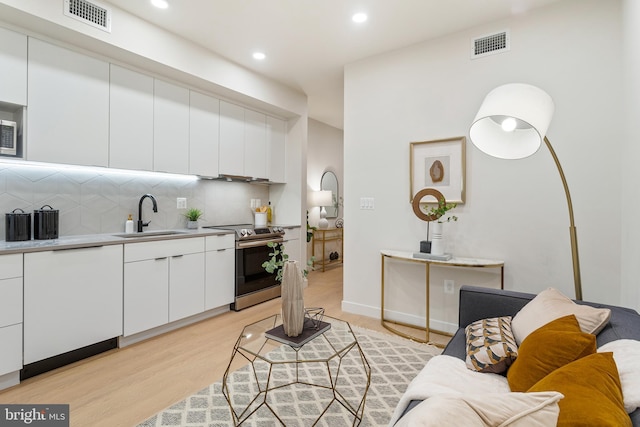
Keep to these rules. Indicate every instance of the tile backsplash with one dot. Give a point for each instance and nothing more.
(97, 201)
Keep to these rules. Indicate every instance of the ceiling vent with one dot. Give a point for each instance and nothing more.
(90, 13)
(490, 44)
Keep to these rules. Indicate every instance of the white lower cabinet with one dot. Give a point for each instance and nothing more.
(220, 271)
(163, 282)
(72, 299)
(10, 316)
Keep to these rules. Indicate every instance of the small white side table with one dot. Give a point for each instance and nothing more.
(453, 262)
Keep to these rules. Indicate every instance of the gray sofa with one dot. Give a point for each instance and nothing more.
(481, 303)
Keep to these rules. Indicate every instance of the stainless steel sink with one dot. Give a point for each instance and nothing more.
(150, 234)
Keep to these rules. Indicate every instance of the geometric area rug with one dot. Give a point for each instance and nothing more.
(394, 362)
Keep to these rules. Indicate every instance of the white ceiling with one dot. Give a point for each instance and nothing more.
(308, 42)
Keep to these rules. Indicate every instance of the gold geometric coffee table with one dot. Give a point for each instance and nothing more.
(313, 373)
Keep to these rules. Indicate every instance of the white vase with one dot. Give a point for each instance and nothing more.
(192, 224)
(437, 243)
(292, 299)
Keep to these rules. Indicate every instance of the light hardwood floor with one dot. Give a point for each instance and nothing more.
(123, 387)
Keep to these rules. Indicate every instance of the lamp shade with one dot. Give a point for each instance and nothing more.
(526, 108)
(322, 198)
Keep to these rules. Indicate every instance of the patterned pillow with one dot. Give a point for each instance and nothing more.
(491, 346)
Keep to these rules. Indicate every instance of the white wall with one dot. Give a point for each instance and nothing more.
(630, 153)
(514, 210)
(325, 153)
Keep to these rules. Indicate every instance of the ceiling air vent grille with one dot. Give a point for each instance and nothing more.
(88, 12)
(490, 44)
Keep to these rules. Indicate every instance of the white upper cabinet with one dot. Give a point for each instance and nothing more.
(231, 161)
(170, 128)
(255, 144)
(131, 120)
(13, 63)
(68, 104)
(204, 127)
(276, 149)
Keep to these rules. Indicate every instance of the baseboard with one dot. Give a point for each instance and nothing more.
(145, 335)
(369, 311)
(51, 363)
(9, 380)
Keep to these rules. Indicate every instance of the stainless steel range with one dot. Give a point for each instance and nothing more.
(253, 284)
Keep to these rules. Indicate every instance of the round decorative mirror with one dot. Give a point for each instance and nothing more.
(329, 182)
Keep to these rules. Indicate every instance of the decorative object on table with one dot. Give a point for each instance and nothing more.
(439, 164)
(193, 215)
(292, 299)
(435, 214)
(339, 223)
(17, 226)
(512, 123)
(322, 199)
(329, 182)
(313, 317)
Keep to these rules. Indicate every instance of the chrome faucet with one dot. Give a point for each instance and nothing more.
(142, 224)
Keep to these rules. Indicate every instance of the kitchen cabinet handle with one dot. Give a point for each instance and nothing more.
(177, 256)
(222, 250)
(78, 249)
(160, 259)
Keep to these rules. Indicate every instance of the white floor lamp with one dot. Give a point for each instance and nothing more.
(511, 124)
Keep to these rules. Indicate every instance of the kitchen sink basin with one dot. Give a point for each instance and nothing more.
(149, 234)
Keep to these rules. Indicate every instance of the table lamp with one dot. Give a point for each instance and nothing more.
(511, 124)
(323, 198)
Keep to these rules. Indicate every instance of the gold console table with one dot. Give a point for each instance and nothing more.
(453, 262)
(324, 235)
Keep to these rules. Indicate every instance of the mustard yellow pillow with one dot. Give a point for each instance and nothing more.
(592, 392)
(548, 348)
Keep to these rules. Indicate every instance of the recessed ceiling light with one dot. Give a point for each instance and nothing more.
(259, 56)
(160, 4)
(359, 17)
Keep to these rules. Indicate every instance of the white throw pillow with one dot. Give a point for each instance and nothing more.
(626, 353)
(486, 410)
(550, 305)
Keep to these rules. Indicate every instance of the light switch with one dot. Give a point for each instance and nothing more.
(367, 203)
(181, 202)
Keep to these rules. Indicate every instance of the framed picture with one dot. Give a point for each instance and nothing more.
(439, 164)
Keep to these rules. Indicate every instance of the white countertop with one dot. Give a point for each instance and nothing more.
(88, 240)
(458, 261)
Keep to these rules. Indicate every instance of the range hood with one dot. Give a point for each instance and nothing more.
(237, 178)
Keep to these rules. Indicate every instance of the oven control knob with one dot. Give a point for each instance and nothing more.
(279, 230)
(243, 232)
(249, 232)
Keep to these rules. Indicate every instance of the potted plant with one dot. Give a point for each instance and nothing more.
(278, 259)
(436, 245)
(439, 211)
(193, 215)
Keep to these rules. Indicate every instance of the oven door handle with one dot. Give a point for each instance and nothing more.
(256, 243)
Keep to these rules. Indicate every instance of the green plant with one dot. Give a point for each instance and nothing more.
(193, 214)
(439, 211)
(310, 229)
(277, 260)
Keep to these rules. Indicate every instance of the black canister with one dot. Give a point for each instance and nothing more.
(45, 223)
(17, 226)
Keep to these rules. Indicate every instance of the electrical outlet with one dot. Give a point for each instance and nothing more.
(449, 286)
(181, 202)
